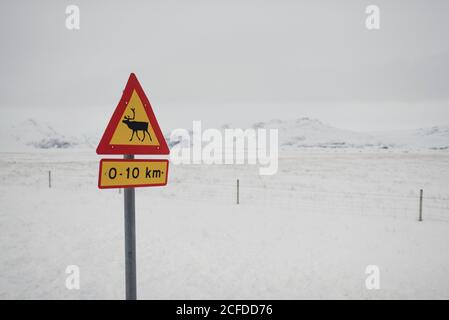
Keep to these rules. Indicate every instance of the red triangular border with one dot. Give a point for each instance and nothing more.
(104, 147)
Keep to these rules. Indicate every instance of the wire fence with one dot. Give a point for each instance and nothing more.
(314, 201)
(254, 191)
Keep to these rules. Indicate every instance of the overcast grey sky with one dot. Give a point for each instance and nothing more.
(219, 58)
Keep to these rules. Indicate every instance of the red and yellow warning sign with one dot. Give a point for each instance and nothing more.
(133, 128)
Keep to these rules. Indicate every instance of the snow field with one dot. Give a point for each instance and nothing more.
(302, 233)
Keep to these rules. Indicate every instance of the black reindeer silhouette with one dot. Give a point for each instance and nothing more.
(136, 126)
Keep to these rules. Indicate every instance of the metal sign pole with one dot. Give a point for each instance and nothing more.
(130, 241)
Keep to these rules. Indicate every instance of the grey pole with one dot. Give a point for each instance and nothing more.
(420, 204)
(130, 241)
(49, 178)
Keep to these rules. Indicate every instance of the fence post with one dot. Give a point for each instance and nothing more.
(49, 178)
(238, 191)
(420, 204)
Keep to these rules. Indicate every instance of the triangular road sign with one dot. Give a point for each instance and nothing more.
(133, 128)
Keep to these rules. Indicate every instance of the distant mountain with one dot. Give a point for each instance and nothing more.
(435, 138)
(297, 134)
(307, 133)
(31, 134)
(41, 136)
(312, 133)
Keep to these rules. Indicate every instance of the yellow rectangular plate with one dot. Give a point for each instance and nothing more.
(127, 173)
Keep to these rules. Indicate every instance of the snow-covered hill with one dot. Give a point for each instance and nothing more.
(306, 133)
(296, 134)
(312, 133)
(434, 138)
(31, 134)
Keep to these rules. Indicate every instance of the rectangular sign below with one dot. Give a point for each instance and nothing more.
(127, 173)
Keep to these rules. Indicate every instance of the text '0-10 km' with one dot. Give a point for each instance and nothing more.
(122, 173)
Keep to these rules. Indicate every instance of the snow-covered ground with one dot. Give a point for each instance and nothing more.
(307, 232)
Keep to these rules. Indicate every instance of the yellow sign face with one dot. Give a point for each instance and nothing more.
(122, 173)
(134, 128)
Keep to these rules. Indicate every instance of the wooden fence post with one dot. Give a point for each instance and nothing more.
(420, 204)
(238, 191)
